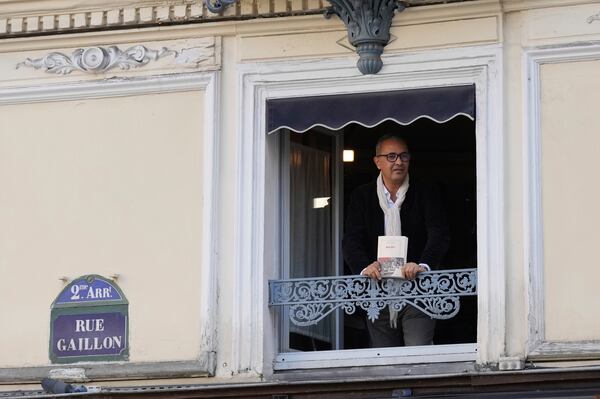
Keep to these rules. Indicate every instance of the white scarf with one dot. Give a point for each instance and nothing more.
(393, 224)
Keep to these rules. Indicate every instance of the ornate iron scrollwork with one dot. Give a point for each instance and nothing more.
(435, 293)
(368, 23)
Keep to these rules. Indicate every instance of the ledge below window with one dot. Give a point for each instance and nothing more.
(376, 357)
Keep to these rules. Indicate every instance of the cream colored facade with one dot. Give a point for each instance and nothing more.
(142, 174)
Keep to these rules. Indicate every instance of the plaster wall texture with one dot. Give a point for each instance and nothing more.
(516, 266)
(570, 150)
(139, 170)
(228, 161)
(567, 92)
(104, 186)
(335, 43)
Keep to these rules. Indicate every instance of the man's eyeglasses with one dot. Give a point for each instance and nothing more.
(393, 156)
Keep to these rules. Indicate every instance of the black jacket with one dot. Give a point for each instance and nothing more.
(423, 222)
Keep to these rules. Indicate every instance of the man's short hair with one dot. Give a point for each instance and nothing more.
(387, 137)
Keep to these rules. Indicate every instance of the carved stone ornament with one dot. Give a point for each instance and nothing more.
(96, 59)
(435, 293)
(216, 6)
(368, 23)
(592, 18)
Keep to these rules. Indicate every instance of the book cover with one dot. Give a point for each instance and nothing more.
(391, 255)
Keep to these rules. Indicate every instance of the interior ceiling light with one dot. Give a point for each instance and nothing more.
(348, 156)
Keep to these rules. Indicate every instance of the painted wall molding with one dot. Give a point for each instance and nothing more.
(96, 59)
(37, 17)
(101, 59)
(113, 60)
(539, 348)
(208, 82)
(20, 19)
(524, 5)
(105, 88)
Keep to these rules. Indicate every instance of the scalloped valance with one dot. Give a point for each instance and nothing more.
(334, 112)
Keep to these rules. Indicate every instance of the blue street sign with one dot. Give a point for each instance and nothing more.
(89, 321)
(90, 334)
(89, 289)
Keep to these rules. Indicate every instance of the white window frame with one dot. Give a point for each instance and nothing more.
(538, 347)
(255, 335)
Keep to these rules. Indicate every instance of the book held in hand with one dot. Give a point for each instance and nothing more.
(391, 255)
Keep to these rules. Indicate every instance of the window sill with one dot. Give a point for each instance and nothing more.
(378, 373)
(375, 357)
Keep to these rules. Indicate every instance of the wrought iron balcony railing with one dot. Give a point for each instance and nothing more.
(436, 293)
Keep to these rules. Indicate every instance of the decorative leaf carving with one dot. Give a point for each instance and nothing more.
(368, 24)
(96, 59)
(217, 6)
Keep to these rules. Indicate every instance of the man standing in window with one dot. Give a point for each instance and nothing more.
(396, 205)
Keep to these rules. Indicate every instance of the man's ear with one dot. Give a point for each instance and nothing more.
(375, 159)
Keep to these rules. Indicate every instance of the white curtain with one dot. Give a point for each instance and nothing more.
(311, 223)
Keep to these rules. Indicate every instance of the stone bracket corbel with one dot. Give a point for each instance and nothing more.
(368, 24)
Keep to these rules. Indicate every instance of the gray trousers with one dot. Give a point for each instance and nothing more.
(414, 328)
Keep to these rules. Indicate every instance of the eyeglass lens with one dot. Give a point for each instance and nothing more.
(392, 156)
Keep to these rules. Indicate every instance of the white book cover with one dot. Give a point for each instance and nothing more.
(391, 255)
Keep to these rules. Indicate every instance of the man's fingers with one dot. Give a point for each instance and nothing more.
(373, 271)
(411, 271)
(375, 274)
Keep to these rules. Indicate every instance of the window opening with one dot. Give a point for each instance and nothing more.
(443, 154)
(320, 186)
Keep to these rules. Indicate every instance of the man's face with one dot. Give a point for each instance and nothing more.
(393, 172)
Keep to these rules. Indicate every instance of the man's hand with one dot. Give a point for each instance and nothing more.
(373, 271)
(411, 270)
